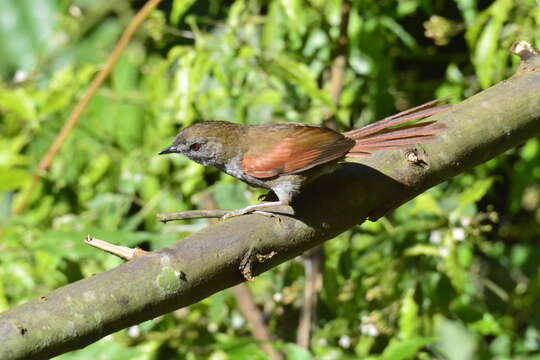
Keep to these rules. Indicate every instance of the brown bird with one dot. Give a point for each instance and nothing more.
(284, 157)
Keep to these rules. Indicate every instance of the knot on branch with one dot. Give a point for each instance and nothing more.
(530, 59)
(417, 157)
(249, 259)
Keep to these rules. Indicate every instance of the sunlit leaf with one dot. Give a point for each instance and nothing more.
(474, 193)
(179, 8)
(455, 341)
(405, 349)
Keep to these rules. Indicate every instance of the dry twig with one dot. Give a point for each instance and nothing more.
(123, 252)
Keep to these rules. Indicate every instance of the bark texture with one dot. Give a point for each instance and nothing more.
(219, 256)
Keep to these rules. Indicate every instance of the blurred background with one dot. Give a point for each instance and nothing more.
(453, 274)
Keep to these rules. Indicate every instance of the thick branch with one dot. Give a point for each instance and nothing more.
(73, 316)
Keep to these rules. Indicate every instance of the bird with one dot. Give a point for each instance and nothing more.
(284, 157)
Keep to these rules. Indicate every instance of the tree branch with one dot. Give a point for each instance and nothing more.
(206, 262)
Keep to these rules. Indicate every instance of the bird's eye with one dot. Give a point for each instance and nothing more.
(195, 147)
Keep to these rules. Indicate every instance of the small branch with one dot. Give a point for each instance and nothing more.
(246, 304)
(313, 266)
(85, 100)
(253, 315)
(192, 214)
(339, 63)
(340, 60)
(123, 252)
(215, 213)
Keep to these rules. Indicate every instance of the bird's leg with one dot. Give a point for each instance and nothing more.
(259, 209)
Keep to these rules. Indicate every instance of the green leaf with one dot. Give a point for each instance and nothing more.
(468, 10)
(125, 73)
(399, 31)
(179, 8)
(26, 29)
(455, 341)
(406, 7)
(239, 348)
(405, 349)
(4, 305)
(218, 308)
(530, 150)
(474, 193)
(18, 103)
(295, 13)
(488, 325)
(96, 170)
(409, 321)
(229, 195)
(295, 352)
(13, 179)
(426, 203)
(274, 29)
(420, 249)
(488, 43)
(300, 75)
(104, 349)
(485, 53)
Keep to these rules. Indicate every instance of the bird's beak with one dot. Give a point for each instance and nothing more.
(170, 149)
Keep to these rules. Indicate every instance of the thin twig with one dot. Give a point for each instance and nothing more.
(79, 108)
(217, 213)
(313, 265)
(247, 306)
(339, 63)
(340, 60)
(123, 252)
(191, 214)
(253, 315)
(314, 260)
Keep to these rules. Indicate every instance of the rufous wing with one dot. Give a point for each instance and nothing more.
(302, 148)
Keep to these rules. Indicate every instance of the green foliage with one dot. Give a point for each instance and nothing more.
(453, 274)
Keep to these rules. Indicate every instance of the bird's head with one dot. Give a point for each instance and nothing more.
(208, 143)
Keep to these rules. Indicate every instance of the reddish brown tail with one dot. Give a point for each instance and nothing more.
(382, 135)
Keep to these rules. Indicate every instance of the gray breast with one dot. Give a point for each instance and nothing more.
(234, 168)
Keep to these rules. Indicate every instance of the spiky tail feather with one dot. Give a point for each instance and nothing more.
(382, 135)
